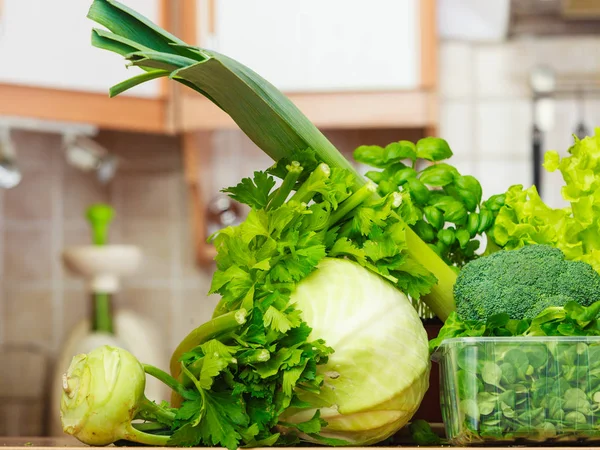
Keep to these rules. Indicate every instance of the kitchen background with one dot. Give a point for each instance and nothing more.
(484, 59)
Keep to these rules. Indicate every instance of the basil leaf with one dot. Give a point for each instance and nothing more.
(433, 149)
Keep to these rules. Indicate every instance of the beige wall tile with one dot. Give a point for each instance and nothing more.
(21, 419)
(156, 242)
(145, 152)
(456, 70)
(145, 196)
(457, 126)
(28, 316)
(501, 71)
(37, 150)
(80, 190)
(154, 304)
(506, 172)
(565, 54)
(503, 128)
(31, 419)
(466, 166)
(77, 306)
(22, 372)
(28, 254)
(32, 198)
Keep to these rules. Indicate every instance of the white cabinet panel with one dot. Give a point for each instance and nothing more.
(321, 45)
(46, 43)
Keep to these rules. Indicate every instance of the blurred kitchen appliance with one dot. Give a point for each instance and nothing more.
(222, 212)
(89, 156)
(10, 175)
(554, 17)
(542, 81)
(547, 86)
(80, 150)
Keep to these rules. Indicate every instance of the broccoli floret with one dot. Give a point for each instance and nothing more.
(522, 283)
(546, 302)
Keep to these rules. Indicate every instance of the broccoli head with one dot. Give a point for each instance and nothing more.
(522, 283)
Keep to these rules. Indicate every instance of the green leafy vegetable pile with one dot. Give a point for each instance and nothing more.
(259, 374)
(314, 283)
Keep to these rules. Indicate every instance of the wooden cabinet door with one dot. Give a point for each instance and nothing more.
(318, 45)
(46, 43)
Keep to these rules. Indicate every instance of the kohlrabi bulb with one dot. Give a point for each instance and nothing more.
(102, 391)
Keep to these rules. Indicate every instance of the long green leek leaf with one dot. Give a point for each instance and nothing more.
(262, 112)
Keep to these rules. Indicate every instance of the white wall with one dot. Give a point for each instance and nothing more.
(486, 111)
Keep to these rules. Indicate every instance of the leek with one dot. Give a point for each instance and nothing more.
(261, 111)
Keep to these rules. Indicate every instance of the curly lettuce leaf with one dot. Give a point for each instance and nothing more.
(525, 219)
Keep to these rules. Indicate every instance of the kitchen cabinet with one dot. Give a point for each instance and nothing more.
(317, 46)
(51, 71)
(47, 44)
(344, 63)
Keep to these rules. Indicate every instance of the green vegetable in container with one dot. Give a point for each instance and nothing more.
(523, 390)
(522, 283)
(572, 319)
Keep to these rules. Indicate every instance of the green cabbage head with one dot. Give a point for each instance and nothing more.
(379, 371)
(102, 391)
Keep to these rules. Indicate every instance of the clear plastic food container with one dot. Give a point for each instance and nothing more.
(520, 390)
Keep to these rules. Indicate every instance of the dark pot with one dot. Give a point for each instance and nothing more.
(430, 406)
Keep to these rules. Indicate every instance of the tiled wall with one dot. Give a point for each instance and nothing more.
(45, 214)
(486, 111)
(40, 301)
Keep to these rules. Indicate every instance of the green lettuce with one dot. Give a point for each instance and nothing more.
(525, 219)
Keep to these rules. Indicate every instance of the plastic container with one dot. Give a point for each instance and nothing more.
(512, 390)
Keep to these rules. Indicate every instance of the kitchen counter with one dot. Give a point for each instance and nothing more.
(39, 442)
(43, 443)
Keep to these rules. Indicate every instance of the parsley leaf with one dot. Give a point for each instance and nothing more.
(253, 192)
